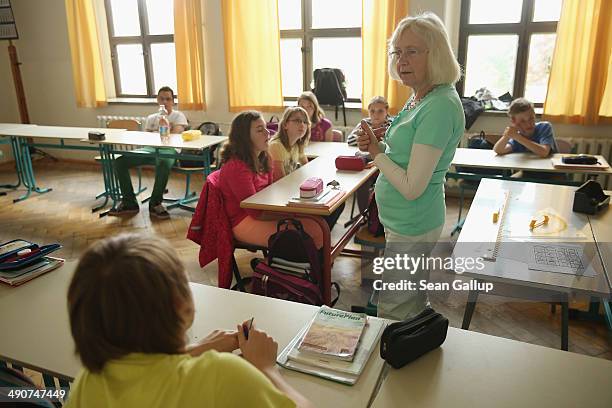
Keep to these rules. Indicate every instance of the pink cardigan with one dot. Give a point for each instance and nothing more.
(237, 182)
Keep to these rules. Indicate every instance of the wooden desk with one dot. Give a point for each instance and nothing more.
(153, 139)
(479, 233)
(474, 370)
(316, 149)
(488, 159)
(276, 196)
(150, 139)
(36, 332)
(21, 148)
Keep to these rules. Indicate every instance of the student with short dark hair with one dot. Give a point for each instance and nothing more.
(524, 134)
(163, 165)
(130, 306)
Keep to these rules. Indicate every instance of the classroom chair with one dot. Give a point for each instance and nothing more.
(191, 167)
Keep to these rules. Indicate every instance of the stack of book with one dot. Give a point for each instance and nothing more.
(299, 269)
(325, 199)
(335, 345)
(21, 261)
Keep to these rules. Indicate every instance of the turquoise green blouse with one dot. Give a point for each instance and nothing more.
(437, 121)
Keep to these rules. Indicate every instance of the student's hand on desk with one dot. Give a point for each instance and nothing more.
(219, 340)
(259, 350)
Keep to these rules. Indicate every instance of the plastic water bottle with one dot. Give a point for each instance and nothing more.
(164, 124)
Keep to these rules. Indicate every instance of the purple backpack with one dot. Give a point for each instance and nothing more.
(292, 270)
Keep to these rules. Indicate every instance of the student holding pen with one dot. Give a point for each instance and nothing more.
(130, 307)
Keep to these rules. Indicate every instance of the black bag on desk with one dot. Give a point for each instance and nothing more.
(403, 342)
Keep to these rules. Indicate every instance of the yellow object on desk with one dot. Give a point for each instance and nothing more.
(189, 135)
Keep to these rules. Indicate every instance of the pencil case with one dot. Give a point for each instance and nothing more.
(311, 187)
(19, 253)
(354, 163)
(403, 342)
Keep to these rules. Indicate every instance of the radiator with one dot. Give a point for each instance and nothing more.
(104, 119)
(599, 146)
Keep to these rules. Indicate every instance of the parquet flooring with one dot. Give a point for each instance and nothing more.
(64, 215)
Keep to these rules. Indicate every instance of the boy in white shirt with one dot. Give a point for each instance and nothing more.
(129, 204)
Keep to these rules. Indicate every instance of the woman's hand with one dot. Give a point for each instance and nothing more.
(368, 140)
(219, 340)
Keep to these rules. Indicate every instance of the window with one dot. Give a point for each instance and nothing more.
(320, 34)
(507, 46)
(142, 46)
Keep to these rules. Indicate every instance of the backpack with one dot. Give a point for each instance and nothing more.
(272, 125)
(329, 86)
(207, 128)
(292, 270)
(375, 227)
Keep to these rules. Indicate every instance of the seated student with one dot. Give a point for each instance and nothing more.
(245, 170)
(321, 127)
(525, 134)
(379, 120)
(130, 307)
(287, 149)
(129, 204)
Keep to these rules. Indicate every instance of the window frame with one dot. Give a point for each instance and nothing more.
(524, 29)
(145, 40)
(307, 34)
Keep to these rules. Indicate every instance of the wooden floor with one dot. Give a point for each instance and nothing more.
(64, 215)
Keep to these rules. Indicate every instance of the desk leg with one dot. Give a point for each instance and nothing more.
(24, 166)
(111, 184)
(15, 149)
(564, 324)
(469, 309)
(327, 258)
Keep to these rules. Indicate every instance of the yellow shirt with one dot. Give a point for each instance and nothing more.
(176, 380)
(291, 160)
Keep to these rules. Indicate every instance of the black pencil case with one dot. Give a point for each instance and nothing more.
(403, 342)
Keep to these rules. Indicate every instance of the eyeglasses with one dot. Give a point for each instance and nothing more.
(398, 53)
(298, 121)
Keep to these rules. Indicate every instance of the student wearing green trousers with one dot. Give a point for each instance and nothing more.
(129, 204)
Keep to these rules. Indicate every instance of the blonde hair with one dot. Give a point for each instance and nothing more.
(442, 66)
(318, 113)
(282, 133)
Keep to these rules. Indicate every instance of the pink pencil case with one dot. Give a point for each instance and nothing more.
(311, 187)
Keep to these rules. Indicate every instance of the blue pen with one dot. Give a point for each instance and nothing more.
(246, 330)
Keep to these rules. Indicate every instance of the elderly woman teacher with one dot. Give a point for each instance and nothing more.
(414, 157)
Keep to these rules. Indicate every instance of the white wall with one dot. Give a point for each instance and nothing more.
(45, 55)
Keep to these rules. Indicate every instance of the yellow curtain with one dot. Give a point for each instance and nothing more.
(85, 50)
(252, 54)
(581, 64)
(380, 17)
(606, 102)
(189, 52)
